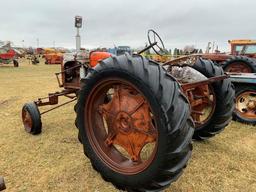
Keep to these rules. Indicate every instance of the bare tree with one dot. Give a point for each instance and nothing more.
(188, 49)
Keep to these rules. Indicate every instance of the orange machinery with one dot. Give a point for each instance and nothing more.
(53, 56)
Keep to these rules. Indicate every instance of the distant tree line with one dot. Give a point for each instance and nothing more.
(189, 49)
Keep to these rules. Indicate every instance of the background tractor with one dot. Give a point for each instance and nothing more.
(135, 118)
(242, 58)
(8, 55)
(52, 56)
(120, 50)
(241, 66)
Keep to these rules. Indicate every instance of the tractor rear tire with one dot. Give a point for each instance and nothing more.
(249, 64)
(31, 118)
(225, 97)
(173, 122)
(246, 90)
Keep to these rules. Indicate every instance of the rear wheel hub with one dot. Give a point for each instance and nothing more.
(121, 127)
(124, 123)
(132, 125)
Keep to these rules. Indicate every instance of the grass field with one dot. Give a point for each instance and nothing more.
(54, 160)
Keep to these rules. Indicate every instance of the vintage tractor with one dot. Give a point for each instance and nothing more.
(120, 50)
(8, 55)
(242, 58)
(53, 56)
(136, 118)
(241, 66)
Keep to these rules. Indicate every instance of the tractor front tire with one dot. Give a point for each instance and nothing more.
(225, 96)
(31, 118)
(245, 110)
(172, 125)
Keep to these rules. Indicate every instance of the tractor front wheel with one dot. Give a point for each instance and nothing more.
(140, 137)
(31, 118)
(245, 110)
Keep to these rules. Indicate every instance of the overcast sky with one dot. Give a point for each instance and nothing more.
(125, 22)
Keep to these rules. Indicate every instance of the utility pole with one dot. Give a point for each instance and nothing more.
(208, 48)
(78, 25)
(37, 42)
(213, 46)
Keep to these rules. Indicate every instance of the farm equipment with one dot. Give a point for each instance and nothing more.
(2, 184)
(53, 56)
(33, 58)
(120, 50)
(8, 55)
(245, 86)
(136, 118)
(242, 58)
(39, 51)
(158, 58)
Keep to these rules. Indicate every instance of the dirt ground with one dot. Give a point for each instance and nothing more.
(54, 160)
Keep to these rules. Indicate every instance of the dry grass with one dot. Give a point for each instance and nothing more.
(54, 160)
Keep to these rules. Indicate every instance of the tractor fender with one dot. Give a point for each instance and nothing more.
(96, 56)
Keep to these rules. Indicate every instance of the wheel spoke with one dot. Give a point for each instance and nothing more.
(154, 37)
(110, 137)
(137, 107)
(103, 111)
(160, 49)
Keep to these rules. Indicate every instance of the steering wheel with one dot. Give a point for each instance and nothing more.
(153, 37)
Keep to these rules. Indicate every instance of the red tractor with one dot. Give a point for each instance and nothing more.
(135, 118)
(8, 55)
(242, 58)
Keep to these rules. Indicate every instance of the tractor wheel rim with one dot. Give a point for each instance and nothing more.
(121, 130)
(27, 120)
(238, 67)
(203, 111)
(246, 104)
